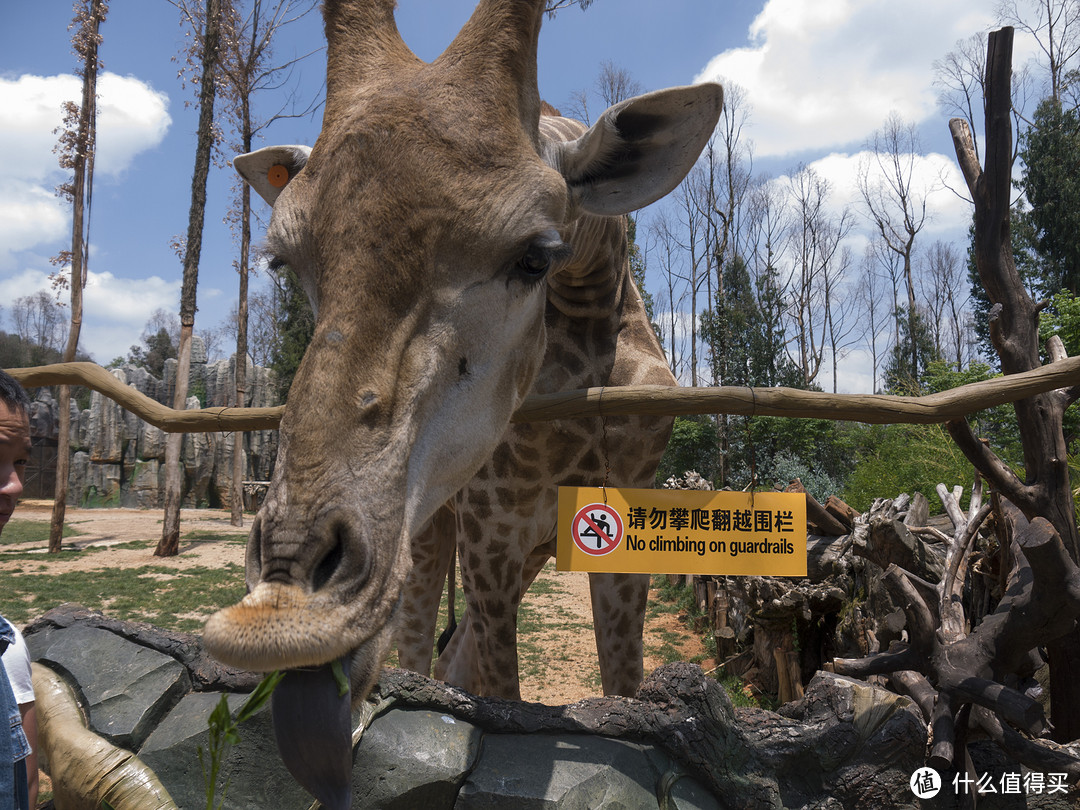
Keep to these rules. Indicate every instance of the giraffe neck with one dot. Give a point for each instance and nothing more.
(591, 285)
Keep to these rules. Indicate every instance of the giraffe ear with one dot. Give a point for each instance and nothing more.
(270, 169)
(640, 149)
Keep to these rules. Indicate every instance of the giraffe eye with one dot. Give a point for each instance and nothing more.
(541, 255)
(536, 261)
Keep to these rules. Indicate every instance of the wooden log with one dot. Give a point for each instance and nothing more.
(816, 515)
(788, 675)
(870, 408)
(842, 512)
(918, 513)
(915, 686)
(890, 542)
(1039, 755)
(944, 406)
(202, 420)
(723, 632)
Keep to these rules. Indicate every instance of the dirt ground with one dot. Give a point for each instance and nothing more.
(557, 648)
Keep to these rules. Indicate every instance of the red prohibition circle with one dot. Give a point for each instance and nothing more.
(597, 529)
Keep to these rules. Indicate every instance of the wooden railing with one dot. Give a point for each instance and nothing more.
(945, 406)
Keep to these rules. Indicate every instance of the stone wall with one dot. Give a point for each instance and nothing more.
(118, 460)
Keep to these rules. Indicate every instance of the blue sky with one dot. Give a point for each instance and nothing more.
(820, 75)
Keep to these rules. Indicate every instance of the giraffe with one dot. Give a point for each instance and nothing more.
(504, 521)
(423, 225)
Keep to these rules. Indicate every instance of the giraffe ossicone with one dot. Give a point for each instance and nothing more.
(436, 225)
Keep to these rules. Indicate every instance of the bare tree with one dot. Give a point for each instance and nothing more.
(961, 80)
(946, 295)
(577, 107)
(1055, 27)
(663, 234)
(815, 240)
(76, 150)
(875, 304)
(613, 84)
(695, 265)
(960, 76)
(554, 6)
(207, 36)
(895, 202)
(720, 188)
(39, 322)
(838, 324)
(248, 69)
(263, 325)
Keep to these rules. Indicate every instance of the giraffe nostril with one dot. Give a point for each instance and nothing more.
(330, 562)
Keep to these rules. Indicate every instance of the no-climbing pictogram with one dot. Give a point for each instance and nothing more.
(597, 529)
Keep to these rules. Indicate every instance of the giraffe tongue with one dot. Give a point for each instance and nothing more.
(312, 724)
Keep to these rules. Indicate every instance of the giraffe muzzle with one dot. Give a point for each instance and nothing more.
(280, 626)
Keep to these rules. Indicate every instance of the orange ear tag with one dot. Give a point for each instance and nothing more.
(278, 175)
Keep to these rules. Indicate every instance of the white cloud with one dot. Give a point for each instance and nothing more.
(29, 216)
(825, 73)
(933, 175)
(115, 309)
(854, 373)
(132, 118)
(128, 301)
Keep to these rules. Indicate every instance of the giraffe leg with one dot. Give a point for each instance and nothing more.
(618, 602)
(491, 555)
(432, 552)
(458, 663)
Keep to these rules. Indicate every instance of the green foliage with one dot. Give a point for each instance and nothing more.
(225, 733)
(197, 389)
(1062, 318)
(900, 377)
(156, 349)
(745, 332)
(1050, 150)
(897, 459)
(820, 452)
(18, 353)
(694, 445)
(735, 687)
(297, 328)
(996, 425)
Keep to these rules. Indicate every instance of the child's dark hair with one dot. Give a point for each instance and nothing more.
(12, 394)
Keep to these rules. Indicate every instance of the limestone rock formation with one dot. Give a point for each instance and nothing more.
(117, 459)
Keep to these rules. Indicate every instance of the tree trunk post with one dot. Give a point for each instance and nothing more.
(170, 534)
(1014, 316)
(87, 41)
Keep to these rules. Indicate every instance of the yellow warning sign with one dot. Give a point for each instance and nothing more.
(668, 531)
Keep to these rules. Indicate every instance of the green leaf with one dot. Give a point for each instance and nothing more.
(258, 697)
(339, 676)
(220, 718)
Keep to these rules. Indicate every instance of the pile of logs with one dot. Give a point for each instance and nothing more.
(951, 611)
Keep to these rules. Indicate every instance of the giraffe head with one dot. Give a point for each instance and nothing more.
(422, 225)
